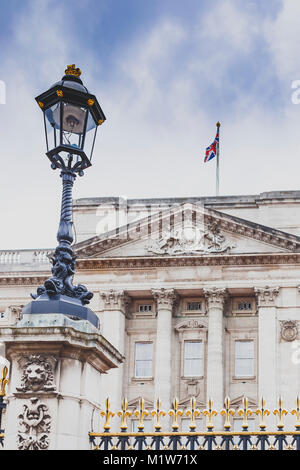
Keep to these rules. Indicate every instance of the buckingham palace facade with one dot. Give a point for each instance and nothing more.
(200, 295)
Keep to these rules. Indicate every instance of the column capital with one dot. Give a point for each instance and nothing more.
(266, 295)
(215, 297)
(115, 299)
(165, 298)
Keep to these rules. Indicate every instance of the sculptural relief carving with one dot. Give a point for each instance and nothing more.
(37, 374)
(191, 240)
(34, 426)
(289, 330)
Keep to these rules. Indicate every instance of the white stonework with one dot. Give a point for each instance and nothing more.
(236, 284)
(56, 368)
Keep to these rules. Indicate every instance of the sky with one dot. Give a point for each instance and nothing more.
(164, 72)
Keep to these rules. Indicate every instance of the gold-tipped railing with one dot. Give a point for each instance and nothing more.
(167, 432)
(3, 384)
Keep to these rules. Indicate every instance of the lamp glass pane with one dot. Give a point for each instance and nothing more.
(90, 136)
(52, 125)
(73, 125)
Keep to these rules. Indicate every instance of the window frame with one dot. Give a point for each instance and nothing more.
(244, 340)
(135, 360)
(199, 341)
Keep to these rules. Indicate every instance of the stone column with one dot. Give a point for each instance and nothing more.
(165, 299)
(267, 346)
(112, 319)
(215, 361)
(56, 367)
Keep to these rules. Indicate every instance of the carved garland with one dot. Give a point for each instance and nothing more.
(34, 426)
(35, 420)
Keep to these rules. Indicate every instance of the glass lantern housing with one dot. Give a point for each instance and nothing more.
(71, 119)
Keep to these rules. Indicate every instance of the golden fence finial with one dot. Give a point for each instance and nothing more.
(227, 412)
(4, 381)
(280, 412)
(107, 414)
(245, 412)
(72, 70)
(158, 413)
(210, 413)
(262, 412)
(296, 412)
(124, 414)
(175, 412)
(141, 413)
(193, 412)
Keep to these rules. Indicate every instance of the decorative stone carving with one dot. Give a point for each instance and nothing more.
(37, 374)
(289, 330)
(165, 298)
(266, 295)
(191, 240)
(16, 311)
(115, 300)
(34, 426)
(215, 297)
(192, 388)
(189, 324)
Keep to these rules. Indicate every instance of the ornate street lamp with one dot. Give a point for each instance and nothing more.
(71, 119)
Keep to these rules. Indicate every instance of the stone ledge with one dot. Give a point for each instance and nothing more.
(67, 338)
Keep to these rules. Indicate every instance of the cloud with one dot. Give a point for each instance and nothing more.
(167, 87)
(282, 36)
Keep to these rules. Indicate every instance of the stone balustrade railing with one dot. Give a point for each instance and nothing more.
(17, 257)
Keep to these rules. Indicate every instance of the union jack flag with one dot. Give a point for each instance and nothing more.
(211, 151)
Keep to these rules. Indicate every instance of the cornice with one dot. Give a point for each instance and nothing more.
(182, 261)
(28, 280)
(99, 264)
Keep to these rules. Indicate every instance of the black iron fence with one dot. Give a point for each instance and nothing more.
(193, 440)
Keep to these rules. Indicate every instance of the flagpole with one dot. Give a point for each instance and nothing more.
(217, 161)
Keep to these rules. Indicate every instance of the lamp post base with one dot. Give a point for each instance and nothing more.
(61, 304)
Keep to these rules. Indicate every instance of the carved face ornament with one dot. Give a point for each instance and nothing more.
(35, 375)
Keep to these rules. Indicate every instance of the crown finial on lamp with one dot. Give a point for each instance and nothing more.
(71, 70)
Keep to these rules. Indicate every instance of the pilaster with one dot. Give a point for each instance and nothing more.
(112, 321)
(165, 300)
(267, 344)
(215, 298)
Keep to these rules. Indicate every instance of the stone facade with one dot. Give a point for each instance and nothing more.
(220, 275)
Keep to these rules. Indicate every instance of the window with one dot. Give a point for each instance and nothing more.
(194, 306)
(193, 358)
(143, 359)
(245, 306)
(244, 358)
(145, 308)
(2, 314)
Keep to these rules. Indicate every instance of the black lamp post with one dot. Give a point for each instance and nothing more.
(71, 119)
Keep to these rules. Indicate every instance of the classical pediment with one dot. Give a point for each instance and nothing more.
(134, 403)
(188, 231)
(238, 402)
(186, 402)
